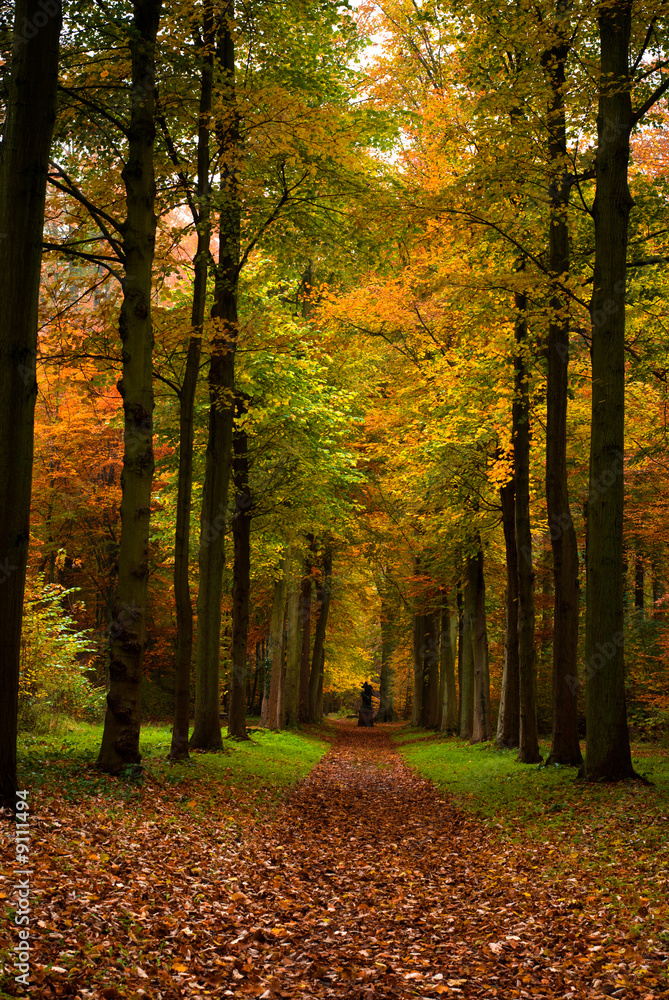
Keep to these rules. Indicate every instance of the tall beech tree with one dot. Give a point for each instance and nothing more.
(213, 517)
(430, 671)
(305, 630)
(120, 739)
(608, 755)
(323, 596)
(508, 719)
(241, 580)
(565, 748)
(201, 211)
(388, 613)
(476, 583)
(448, 718)
(24, 154)
(528, 748)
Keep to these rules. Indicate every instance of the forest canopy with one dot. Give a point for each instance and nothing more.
(333, 350)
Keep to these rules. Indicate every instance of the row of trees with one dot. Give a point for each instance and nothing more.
(510, 200)
(195, 114)
(400, 350)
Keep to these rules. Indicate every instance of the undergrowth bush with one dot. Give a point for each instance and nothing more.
(53, 654)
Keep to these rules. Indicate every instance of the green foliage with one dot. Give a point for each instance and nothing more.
(53, 682)
(489, 781)
(267, 763)
(569, 827)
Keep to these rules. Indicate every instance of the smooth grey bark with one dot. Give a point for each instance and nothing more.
(528, 750)
(207, 728)
(565, 747)
(448, 718)
(466, 720)
(305, 632)
(120, 738)
(430, 713)
(324, 595)
(386, 711)
(276, 647)
(481, 714)
(508, 718)
(293, 643)
(24, 156)
(241, 582)
(608, 756)
(418, 668)
(182, 596)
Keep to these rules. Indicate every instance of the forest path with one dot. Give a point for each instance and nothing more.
(377, 887)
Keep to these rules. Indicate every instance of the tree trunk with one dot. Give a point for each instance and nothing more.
(241, 582)
(418, 668)
(431, 673)
(448, 722)
(182, 598)
(293, 645)
(528, 751)
(24, 157)
(658, 587)
(257, 675)
(467, 676)
(386, 711)
(508, 719)
(565, 748)
(608, 756)
(275, 697)
(120, 738)
(305, 631)
(323, 592)
(481, 718)
(639, 580)
(207, 729)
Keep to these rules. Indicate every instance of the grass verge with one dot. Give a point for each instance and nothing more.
(614, 838)
(62, 765)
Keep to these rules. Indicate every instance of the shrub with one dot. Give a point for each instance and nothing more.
(53, 661)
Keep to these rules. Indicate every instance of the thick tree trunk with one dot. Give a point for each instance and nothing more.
(120, 738)
(241, 582)
(305, 632)
(528, 751)
(448, 721)
(276, 646)
(323, 592)
(430, 714)
(24, 157)
(207, 729)
(293, 644)
(467, 673)
(182, 597)
(608, 756)
(508, 719)
(386, 711)
(481, 717)
(565, 748)
(418, 668)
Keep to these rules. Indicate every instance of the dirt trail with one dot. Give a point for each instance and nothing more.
(376, 887)
(363, 883)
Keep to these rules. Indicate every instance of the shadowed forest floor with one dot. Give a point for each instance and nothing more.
(363, 882)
